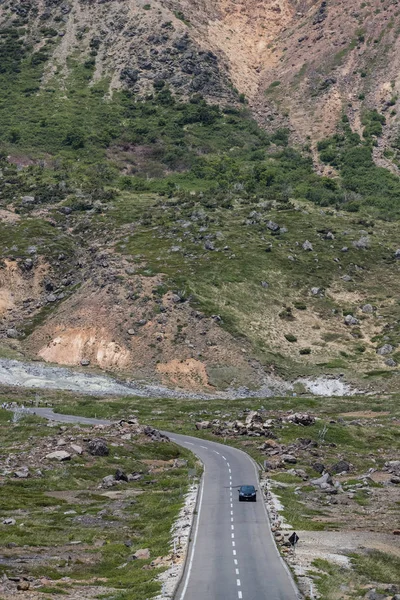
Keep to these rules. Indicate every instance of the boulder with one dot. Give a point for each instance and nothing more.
(322, 482)
(367, 308)
(9, 521)
(385, 349)
(203, 425)
(23, 586)
(60, 455)
(120, 475)
(12, 333)
(98, 447)
(76, 448)
(142, 554)
(340, 467)
(272, 226)
(301, 419)
(318, 467)
(85, 362)
(397, 254)
(350, 320)
(22, 473)
(308, 246)
(289, 458)
(362, 243)
(390, 362)
(108, 481)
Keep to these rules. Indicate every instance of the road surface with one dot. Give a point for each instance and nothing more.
(232, 554)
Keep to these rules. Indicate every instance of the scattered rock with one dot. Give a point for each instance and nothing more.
(142, 554)
(272, 226)
(308, 246)
(203, 425)
(9, 521)
(367, 308)
(289, 458)
(318, 467)
(340, 467)
(301, 419)
(397, 254)
(98, 447)
(350, 320)
(385, 349)
(120, 475)
(23, 586)
(390, 362)
(12, 333)
(395, 479)
(22, 473)
(362, 244)
(108, 481)
(76, 448)
(85, 362)
(59, 455)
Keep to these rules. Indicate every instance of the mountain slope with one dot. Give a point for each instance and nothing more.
(149, 225)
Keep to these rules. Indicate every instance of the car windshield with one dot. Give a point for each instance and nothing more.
(247, 489)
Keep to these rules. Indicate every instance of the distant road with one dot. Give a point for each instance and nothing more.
(232, 554)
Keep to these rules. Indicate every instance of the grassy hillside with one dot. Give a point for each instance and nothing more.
(234, 220)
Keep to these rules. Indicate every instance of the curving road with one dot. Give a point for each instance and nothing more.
(232, 554)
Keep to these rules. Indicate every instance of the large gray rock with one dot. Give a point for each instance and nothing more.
(385, 349)
(59, 455)
(12, 333)
(367, 308)
(362, 243)
(350, 320)
(397, 254)
(272, 226)
(142, 554)
(98, 447)
(308, 246)
(203, 425)
(301, 419)
(322, 482)
(22, 473)
(340, 467)
(108, 481)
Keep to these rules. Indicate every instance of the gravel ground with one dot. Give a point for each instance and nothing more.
(39, 375)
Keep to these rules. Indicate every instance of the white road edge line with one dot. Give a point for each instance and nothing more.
(195, 538)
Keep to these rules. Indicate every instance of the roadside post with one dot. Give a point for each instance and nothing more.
(293, 539)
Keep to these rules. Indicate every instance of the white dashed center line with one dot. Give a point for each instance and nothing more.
(237, 571)
(240, 595)
(238, 582)
(205, 447)
(224, 457)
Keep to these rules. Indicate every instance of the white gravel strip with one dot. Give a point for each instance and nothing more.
(180, 541)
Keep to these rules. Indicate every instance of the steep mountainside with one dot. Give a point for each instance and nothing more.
(148, 224)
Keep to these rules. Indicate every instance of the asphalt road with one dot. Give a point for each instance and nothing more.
(232, 554)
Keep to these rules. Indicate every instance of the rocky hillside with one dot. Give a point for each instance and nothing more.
(149, 225)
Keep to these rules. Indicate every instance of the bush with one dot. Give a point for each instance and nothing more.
(304, 351)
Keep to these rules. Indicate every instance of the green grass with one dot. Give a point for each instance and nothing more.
(380, 567)
(42, 522)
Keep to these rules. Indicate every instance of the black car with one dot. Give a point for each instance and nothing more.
(247, 493)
